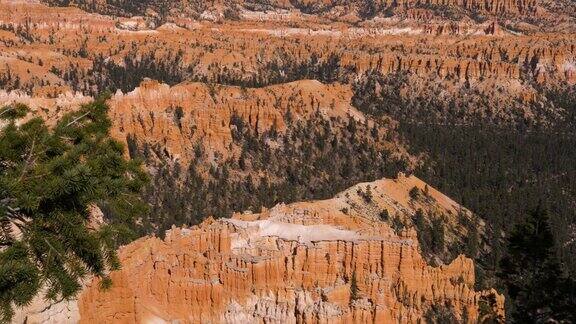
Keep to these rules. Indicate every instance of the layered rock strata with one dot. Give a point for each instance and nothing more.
(179, 117)
(306, 262)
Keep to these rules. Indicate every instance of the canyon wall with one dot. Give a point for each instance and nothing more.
(309, 262)
(50, 49)
(179, 117)
(360, 8)
(493, 6)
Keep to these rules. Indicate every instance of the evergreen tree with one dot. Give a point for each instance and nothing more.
(424, 232)
(539, 291)
(414, 193)
(353, 287)
(50, 179)
(472, 241)
(488, 310)
(437, 235)
(440, 314)
(384, 215)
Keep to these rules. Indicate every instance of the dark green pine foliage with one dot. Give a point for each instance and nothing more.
(49, 180)
(354, 291)
(539, 291)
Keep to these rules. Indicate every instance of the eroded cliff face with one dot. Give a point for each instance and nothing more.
(179, 117)
(486, 69)
(356, 9)
(51, 47)
(306, 262)
(376, 7)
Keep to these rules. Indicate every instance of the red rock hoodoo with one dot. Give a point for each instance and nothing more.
(316, 262)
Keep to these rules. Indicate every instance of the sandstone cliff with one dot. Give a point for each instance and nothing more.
(355, 9)
(305, 262)
(48, 50)
(179, 117)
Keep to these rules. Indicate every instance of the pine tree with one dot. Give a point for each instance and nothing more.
(384, 215)
(424, 232)
(437, 235)
(472, 240)
(414, 193)
(539, 291)
(353, 287)
(50, 179)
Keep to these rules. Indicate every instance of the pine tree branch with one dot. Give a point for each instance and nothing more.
(7, 110)
(54, 249)
(6, 235)
(28, 160)
(37, 176)
(129, 203)
(16, 218)
(77, 119)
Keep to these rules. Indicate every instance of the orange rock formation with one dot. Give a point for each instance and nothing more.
(179, 117)
(40, 45)
(305, 262)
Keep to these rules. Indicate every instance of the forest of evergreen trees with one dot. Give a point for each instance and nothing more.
(519, 177)
(379, 95)
(314, 159)
(169, 68)
(504, 176)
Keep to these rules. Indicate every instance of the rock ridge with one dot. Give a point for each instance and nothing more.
(305, 262)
